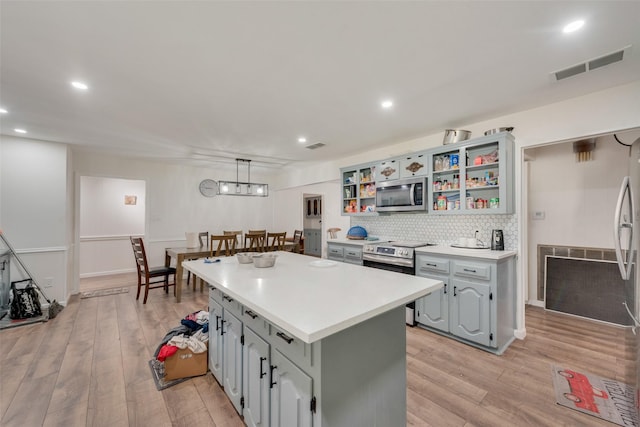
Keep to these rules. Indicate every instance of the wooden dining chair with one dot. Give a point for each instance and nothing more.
(203, 238)
(150, 277)
(237, 233)
(225, 245)
(255, 240)
(297, 240)
(275, 241)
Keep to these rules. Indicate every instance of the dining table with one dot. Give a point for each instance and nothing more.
(185, 254)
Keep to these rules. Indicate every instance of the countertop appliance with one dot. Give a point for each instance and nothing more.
(626, 229)
(497, 240)
(398, 256)
(402, 195)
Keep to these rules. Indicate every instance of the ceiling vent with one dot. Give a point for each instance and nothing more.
(591, 64)
(316, 145)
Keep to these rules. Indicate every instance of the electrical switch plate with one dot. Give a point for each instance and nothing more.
(538, 215)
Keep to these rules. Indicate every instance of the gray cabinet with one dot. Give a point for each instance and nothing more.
(473, 177)
(477, 303)
(291, 393)
(345, 252)
(277, 380)
(215, 335)
(358, 189)
(470, 177)
(232, 364)
(255, 379)
(313, 241)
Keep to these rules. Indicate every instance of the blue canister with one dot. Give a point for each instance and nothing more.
(453, 161)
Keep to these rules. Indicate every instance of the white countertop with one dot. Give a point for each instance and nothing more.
(312, 302)
(474, 253)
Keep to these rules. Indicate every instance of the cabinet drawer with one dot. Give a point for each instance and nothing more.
(478, 271)
(216, 295)
(336, 251)
(353, 253)
(431, 265)
(231, 305)
(256, 322)
(295, 349)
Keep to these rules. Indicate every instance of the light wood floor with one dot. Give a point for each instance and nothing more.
(88, 366)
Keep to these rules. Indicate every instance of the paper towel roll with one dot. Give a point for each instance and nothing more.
(192, 240)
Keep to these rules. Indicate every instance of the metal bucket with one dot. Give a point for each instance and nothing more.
(451, 136)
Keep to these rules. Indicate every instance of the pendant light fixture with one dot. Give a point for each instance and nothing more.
(247, 188)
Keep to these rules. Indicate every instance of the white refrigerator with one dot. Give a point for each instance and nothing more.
(626, 239)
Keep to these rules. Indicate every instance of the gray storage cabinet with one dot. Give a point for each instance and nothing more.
(477, 304)
(345, 252)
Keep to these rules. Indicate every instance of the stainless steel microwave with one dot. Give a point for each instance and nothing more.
(402, 195)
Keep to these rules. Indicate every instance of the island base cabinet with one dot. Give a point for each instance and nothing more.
(255, 380)
(290, 394)
(471, 311)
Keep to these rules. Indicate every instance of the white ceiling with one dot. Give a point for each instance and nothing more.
(206, 82)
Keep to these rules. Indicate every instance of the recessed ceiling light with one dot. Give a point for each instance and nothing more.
(302, 140)
(386, 104)
(79, 85)
(20, 130)
(3, 111)
(573, 26)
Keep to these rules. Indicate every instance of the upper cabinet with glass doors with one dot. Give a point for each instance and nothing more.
(473, 177)
(358, 190)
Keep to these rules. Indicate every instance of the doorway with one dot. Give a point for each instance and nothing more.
(312, 224)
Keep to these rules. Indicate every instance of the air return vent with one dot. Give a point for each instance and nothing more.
(316, 145)
(592, 64)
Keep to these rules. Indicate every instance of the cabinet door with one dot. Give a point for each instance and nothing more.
(255, 380)
(470, 308)
(215, 339)
(232, 366)
(312, 244)
(388, 170)
(413, 165)
(433, 309)
(290, 394)
(335, 252)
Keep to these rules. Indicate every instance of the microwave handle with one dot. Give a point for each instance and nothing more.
(412, 195)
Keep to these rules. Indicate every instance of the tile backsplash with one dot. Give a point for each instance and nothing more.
(440, 229)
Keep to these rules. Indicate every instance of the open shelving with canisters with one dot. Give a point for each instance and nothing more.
(358, 189)
(474, 177)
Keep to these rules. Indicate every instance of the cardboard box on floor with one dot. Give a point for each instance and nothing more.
(184, 363)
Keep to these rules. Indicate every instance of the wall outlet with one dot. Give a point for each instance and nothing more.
(537, 215)
(48, 282)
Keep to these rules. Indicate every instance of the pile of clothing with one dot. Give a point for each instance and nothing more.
(193, 333)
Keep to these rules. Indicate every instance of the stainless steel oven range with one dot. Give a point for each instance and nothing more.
(398, 256)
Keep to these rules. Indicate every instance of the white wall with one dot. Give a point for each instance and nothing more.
(174, 206)
(34, 210)
(106, 223)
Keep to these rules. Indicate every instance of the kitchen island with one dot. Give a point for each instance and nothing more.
(309, 341)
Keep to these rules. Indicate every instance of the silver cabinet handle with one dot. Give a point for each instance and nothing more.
(625, 270)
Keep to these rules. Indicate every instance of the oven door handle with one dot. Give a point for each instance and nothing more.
(386, 260)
